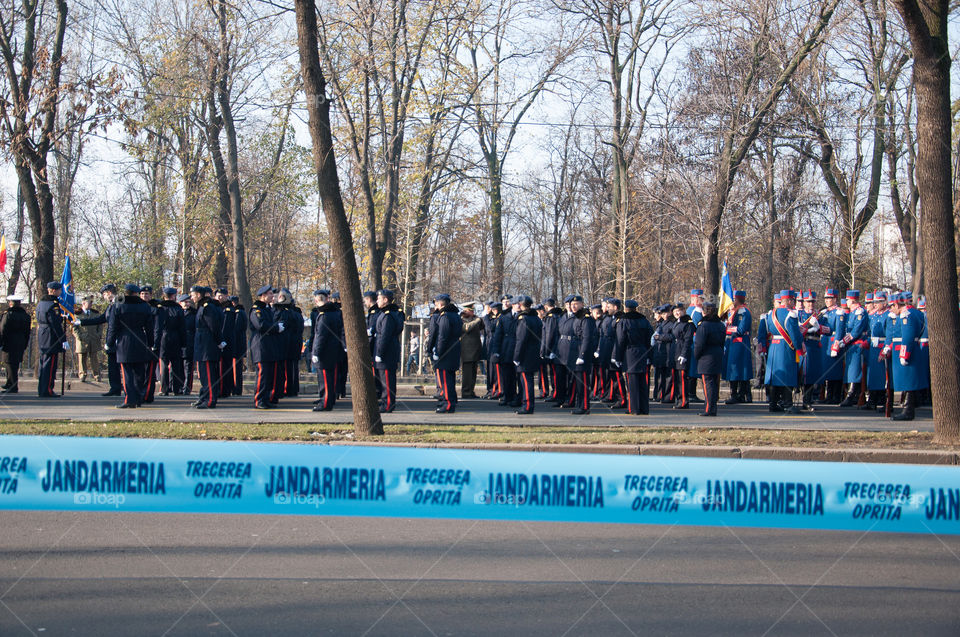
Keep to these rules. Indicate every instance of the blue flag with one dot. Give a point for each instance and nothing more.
(66, 297)
(726, 292)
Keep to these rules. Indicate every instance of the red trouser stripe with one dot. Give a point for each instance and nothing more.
(706, 397)
(209, 386)
(629, 402)
(123, 383)
(553, 372)
(683, 387)
(259, 381)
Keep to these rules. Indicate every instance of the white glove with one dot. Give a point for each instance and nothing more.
(682, 360)
(552, 356)
(596, 354)
(517, 363)
(281, 326)
(904, 361)
(222, 344)
(435, 357)
(76, 322)
(886, 351)
(106, 347)
(846, 339)
(579, 361)
(833, 353)
(875, 341)
(66, 346)
(369, 332)
(315, 359)
(377, 359)
(615, 362)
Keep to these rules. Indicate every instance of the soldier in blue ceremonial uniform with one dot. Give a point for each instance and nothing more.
(832, 344)
(695, 312)
(526, 352)
(51, 339)
(738, 363)
(131, 330)
(910, 359)
(877, 372)
(326, 347)
(264, 346)
(708, 350)
(812, 359)
(172, 342)
(786, 343)
(386, 357)
(632, 356)
(207, 344)
(683, 334)
(856, 332)
(446, 353)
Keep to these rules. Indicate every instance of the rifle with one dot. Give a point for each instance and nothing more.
(888, 403)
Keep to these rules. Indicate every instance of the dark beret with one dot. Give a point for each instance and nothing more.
(146, 287)
(54, 285)
(109, 287)
(388, 294)
(169, 290)
(182, 298)
(265, 289)
(321, 292)
(131, 288)
(631, 304)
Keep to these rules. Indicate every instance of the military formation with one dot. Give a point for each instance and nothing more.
(570, 356)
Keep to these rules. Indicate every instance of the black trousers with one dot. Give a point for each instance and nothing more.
(149, 384)
(47, 378)
(113, 373)
(171, 375)
(711, 392)
(342, 369)
(507, 374)
(638, 393)
(188, 372)
(209, 382)
(491, 375)
(131, 379)
(581, 390)
(665, 389)
(527, 396)
(327, 381)
(388, 378)
(680, 385)
(561, 378)
(546, 380)
(226, 376)
(263, 393)
(447, 381)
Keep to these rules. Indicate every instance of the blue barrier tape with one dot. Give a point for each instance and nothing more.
(187, 476)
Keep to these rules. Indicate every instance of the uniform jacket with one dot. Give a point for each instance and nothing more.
(910, 356)
(325, 337)
(389, 327)
(228, 331)
(663, 343)
(606, 340)
(239, 331)
(876, 368)
(633, 350)
(209, 332)
(585, 340)
(683, 333)
(471, 349)
(506, 336)
(131, 329)
(526, 350)
(708, 345)
(264, 334)
(15, 331)
(174, 330)
(432, 333)
(738, 360)
(372, 315)
(449, 331)
(551, 333)
(157, 325)
(782, 364)
(50, 334)
(190, 331)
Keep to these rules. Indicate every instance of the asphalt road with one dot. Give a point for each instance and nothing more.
(147, 574)
(83, 402)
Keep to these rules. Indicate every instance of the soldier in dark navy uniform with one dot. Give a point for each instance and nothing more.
(326, 347)
(386, 358)
(708, 344)
(207, 344)
(227, 333)
(526, 354)
(190, 327)
(152, 366)
(373, 311)
(663, 357)
(548, 347)
(264, 346)
(583, 344)
(632, 356)
(683, 334)
(51, 339)
(109, 293)
(14, 337)
(130, 331)
(239, 344)
(446, 352)
(505, 339)
(172, 342)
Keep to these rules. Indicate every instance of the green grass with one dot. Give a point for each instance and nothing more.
(434, 434)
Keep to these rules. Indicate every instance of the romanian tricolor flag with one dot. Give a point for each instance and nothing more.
(725, 296)
(3, 253)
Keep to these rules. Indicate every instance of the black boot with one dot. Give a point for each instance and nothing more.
(851, 398)
(909, 407)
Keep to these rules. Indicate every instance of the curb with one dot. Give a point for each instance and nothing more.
(886, 456)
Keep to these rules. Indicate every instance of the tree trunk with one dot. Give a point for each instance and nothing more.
(366, 412)
(496, 222)
(927, 27)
